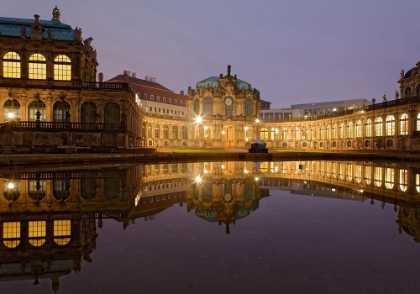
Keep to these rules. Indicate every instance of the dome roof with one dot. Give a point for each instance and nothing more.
(213, 82)
(408, 73)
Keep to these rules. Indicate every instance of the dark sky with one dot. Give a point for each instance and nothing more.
(293, 51)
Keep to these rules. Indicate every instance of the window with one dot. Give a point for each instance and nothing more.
(377, 177)
(89, 114)
(350, 130)
(342, 131)
(11, 234)
(322, 133)
(368, 128)
(334, 132)
(404, 124)
(158, 98)
(418, 122)
(143, 129)
(61, 189)
(248, 107)
(197, 106)
(175, 132)
(358, 173)
(170, 100)
(264, 134)
(37, 233)
(390, 125)
(11, 110)
(61, 111)
(208, 106)
(403, 180)
(11, 65)
(37, 107)
(359, 129)
(152, 98)
(62, 232)
(328, 133)
(389, 178)
(157, 131)
(145, 96)
(378, 127)
(164, 100)
(165, 132)
(228, 108)
(284, 134)
(62, 68)
(368, 175)
(407, 92)
(37, 67)
(149, 131)
(176, 102)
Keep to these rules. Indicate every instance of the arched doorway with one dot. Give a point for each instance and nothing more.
(228, 135)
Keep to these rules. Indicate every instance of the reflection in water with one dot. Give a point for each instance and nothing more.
(49, 220)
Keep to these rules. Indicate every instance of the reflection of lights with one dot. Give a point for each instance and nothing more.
(333, 189)
(10, 186)
(247, 139)
(276, 169)
(257, 179)
(198, 120)
(10, 115)
(136, 201)
(257, 120)
(276, 130)
(361, 191)
(198, 179)
(362, 111)
(223, 132)
(245, 171)
(223, 166)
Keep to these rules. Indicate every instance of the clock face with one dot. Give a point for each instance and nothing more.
(228, 101)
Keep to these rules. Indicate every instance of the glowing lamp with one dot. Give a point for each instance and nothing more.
(10, 186)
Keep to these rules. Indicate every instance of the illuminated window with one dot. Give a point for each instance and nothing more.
(334, 132)
(165, 132)
(37, 67)
(62, 68)
(62, 232)
(264, 134)
(11, 110)
(349, 172)
(175, 132)
(327, 168)
(184, 133)
(350, 130)
(359, 129)
(390, 125)
(342, 131)
(284, 133)
(418, 183)
(342, 169)
(149, 130)
(377, 177)
(358, 173)
(378, 127)
(35, 107)
(322, 133)
(368, 128)
(248, 107)
(368, 175)
(11, 65)
(404, 124)
(37, 233)
(61, 110)
(334, 170)
(403, 180)
(36, 189)
(157, 131)
(389, 178)
(11, 190)
(11, 234)
(328, 133)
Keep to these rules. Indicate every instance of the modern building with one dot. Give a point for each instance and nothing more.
(49, 93)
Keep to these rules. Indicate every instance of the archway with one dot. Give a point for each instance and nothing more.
(228, 135)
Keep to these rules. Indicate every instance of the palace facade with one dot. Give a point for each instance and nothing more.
(49, 92)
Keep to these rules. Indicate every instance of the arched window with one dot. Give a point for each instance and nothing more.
(60, 111)
(37, 106)
(368, 175)
(389, 178)
(170, 100)
(181, 103)
(62, 232)
(37, 189)
(328, 132)
(112, 113)
(112, 188)
(164, 100)
(145, 96)
(248, 107)
(157, 131)
(143, 129)
(11, 110)
(208, 106)
(88, 113)
(342, 131)
(264, 134)
(152, 98)
(158, 98)
(322, 133)
(11, 234)
(149, 130)
(378, 127)
(404, 124)
(350, 130)
(88, 188)
(11, 65)
(403, 179)
(37, 67)
(61, 189)
(407, 92)
(62, 68)
(197, 106)
(377, 176)
(228, 106)
(176, 102)
(284, 134)
(165, 132)
(368, 128)
(359, 129)
(390, 125)
(184, 133)
(302, 133)
(11, 190)
(334, 131)
(175, 132)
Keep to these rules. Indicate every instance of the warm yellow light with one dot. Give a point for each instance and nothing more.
(205, 171)
(247, 139)
(277, 131)
(257, 179)
(198, 179)
(223, 132)
(10, 186)
(246, 128)
(198, 120)
(257, 120)
(223, 166)
(10, 115)
(206, 127)
(245, 171)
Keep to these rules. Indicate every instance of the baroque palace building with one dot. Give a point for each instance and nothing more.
(49, 92)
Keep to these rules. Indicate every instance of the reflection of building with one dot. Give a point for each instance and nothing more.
(49, 95)
(409, 221)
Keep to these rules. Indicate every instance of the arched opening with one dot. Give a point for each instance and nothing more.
(61, 189)
(208, 106)
(37, 67)
(404, 124)
(62, 232)
(368, 128)
(37, 109)
(11, 65)
(359, 129)
(390, 125)
(249, 111)
(11, 110)
(88, 113)
(62, 68)
(378, 127)
(175, 132)
(37, 189)
(88, 188)
(112, 113)
(61, 111)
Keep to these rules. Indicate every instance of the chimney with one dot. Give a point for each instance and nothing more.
(181, 92)
(152, 79)
(146, 78)
(133, 75)
(127, 72)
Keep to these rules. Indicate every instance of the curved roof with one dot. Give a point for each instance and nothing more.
(408, 73)
(213, 82)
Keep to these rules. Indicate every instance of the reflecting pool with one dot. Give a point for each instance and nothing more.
(211, 227)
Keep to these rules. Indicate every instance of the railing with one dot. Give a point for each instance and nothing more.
(62, 126)
(416, 133)
(402, 101)
(8, 82)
